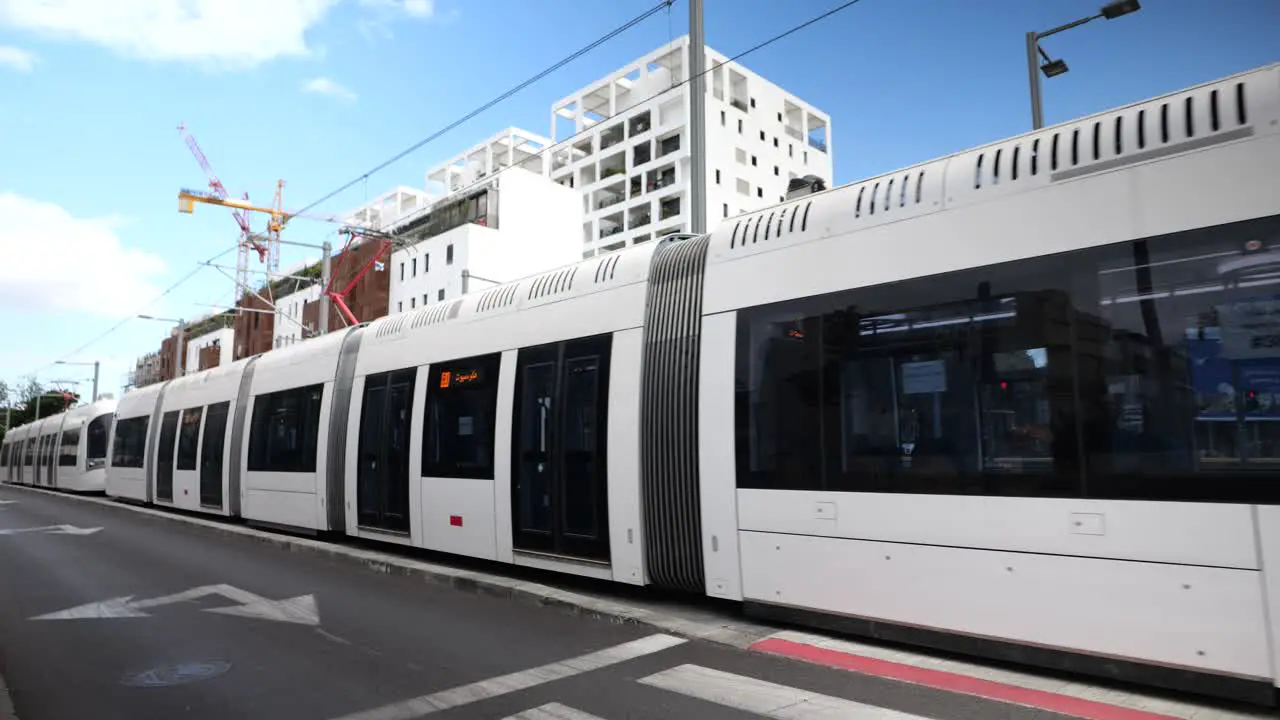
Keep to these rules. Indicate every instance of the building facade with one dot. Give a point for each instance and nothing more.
(146, 371)
(254, 327)
(624, 146)
(499, 218)
(210, 349)
(287, 327)
(367, 299)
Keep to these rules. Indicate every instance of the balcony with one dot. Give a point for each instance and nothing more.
(669, 208)
(660, 178)
(641, 153)
(615, 164)
(611, 225)
(817, 133)
(611, 137)
(611, 195)
(638, 216)
(669, 144)
(639, 124)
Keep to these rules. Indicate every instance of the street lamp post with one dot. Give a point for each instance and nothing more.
(1053, 68)
(177, 342)
(93, 398)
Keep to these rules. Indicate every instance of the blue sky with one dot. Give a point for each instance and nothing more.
(319, 91)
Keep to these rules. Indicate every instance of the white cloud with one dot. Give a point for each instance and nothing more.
(421, 9)
(325, 86)
(55, 262)
(16, 59)
(223, 33)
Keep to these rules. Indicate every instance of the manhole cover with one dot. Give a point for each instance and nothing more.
(179, 674)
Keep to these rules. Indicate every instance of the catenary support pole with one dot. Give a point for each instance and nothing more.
(1033, 76)
(697, 120)
(326, 267)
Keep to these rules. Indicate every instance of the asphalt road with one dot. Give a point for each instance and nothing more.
(195, 629)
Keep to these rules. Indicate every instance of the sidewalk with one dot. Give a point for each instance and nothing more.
(1074, 696)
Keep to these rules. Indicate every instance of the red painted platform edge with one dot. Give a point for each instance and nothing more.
(954, 682)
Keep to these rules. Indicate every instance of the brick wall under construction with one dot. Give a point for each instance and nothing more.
(253, 330)
(368, 300)
(210, 356)
(166, 358)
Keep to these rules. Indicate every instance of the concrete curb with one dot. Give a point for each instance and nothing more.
(706, 626)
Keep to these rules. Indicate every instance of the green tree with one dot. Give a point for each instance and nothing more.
(50, 402)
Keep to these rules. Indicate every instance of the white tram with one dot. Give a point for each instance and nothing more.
(67, 451)
(1023, 400)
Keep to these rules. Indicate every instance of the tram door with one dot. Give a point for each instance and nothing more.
(164, 461)
(559, 493)
(50, 459)
(382, 476)
(211, 449)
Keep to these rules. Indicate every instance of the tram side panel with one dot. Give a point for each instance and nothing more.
(518, 408)
(201, 407)
(285, 479)
(133, 445)
(952, 428)
(83, 447)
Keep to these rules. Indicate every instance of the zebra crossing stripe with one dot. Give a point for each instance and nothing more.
(522, 680)
(554, 711)
(764, 698)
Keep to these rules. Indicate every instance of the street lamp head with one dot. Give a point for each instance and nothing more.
(1113, 10)
(145, 317)
(1054, 68)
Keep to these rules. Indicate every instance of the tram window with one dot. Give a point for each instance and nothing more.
(96, 440)
(128, 446)
(189, 438)
(283, 434)
(1145, 370)
(4, 456)
(70, 449)
(457, 434)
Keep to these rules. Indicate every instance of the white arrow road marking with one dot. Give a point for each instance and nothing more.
(516, 681)
(301, 609)
(113, 608)
(73, 530)
(52, 530)
(554, 711)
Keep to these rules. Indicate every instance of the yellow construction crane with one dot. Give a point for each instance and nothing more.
(278, 217)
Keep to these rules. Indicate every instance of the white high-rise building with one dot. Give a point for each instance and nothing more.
(625, 146)
(288, 328)
(495, 217)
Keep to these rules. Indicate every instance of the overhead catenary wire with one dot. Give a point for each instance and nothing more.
(676, 86)
(107, 333)
(763, 44)
(664, 4)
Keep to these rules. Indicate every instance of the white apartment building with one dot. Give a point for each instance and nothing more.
(625, 146)
(497, 218)
(223, 337)
(384, 210)
(287, 327)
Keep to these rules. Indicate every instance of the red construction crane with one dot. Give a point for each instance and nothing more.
(338, 297)
(247, 238)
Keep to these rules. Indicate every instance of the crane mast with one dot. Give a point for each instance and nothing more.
(268, 248)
